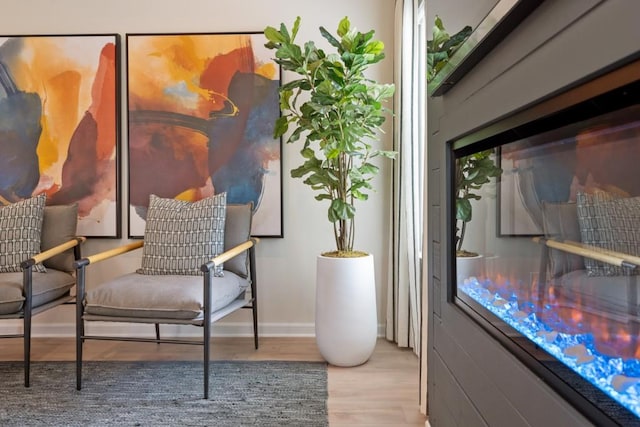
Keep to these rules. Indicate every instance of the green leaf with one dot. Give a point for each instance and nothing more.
(369, 168)
(339, 210)
(457, 39)
(285, 96)
(273, 35)
(344, 26)
(307, 153)
(285, 33)
(360, 196)
(294, 30)
(388, 154)
(281, 127)
(463, 210)
(332, 40)
(375, 47)
(295, 135)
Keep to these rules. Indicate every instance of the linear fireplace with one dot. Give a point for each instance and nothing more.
(556, 263)
(543, 327)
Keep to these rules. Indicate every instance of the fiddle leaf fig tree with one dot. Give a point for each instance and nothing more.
(442, 47)
(472, 172)
(336, 112)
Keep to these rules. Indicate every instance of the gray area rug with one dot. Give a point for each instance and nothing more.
(242, 393)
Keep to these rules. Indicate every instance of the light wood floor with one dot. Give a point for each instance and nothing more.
(382, 392)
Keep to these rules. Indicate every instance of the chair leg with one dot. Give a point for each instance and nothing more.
(254, 294)
(254, 310)
(79, 342)
(79, 324)
(26, 333)
(158, 332)
(207, 350)
(207, 330)
(27, 348)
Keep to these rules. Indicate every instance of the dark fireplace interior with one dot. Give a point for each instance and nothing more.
(558, 238)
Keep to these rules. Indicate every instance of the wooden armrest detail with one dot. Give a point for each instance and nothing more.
(230, 253)
(101, 256)
(56, 250)
(619, 259)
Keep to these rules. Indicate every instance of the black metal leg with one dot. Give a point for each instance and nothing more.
(79, 343)
(254, 309)
(79, 325)
(158, 332)
(254, 294)
(207, 329)
(26, 333)
(207, 349)
(27, 348)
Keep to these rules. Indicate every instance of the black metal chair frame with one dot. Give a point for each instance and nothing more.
(205, 322)
(28, 311)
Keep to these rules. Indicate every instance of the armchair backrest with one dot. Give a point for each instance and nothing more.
(237, 229)
(58, 226)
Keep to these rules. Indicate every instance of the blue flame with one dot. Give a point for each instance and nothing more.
(617, 377)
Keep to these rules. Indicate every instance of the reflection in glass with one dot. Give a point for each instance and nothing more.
(558, 233)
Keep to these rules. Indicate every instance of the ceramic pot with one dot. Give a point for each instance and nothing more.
(346, 314)
(467, 267)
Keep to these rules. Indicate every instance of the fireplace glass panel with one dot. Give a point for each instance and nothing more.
(555, 224)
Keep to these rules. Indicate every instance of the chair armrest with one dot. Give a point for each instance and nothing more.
(101, 256)
(56, 250)
(619, 259)
(230, 253)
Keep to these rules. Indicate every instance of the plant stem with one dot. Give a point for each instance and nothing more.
(462, 230)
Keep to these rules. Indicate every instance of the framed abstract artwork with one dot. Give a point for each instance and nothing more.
(201, 112)
(59, 125)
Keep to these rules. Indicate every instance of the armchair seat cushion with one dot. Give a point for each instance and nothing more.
(46, 287)
(161, 296)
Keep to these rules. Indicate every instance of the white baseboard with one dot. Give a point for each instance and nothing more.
(219, 329)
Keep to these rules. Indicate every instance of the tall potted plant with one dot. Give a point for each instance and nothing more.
(335, 112)
(472, 172)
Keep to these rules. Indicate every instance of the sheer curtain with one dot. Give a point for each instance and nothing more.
(404, 293)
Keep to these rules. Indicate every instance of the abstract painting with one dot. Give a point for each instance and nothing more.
(59, 127)
(201, 111)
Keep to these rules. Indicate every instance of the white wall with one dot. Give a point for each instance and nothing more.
(286, 267)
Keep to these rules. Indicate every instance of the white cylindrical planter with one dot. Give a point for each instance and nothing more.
(468, 267)
(346, 314)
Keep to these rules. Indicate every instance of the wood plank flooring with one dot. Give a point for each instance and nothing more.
(382, 392)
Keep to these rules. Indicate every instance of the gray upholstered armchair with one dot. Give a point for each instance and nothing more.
(175, 285)
(37, 262)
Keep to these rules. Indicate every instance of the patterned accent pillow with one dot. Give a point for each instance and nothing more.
(181, 236)
(20, 229)
(612, 223)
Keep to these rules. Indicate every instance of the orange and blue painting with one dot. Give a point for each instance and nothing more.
(58, 125)
(201, 111)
